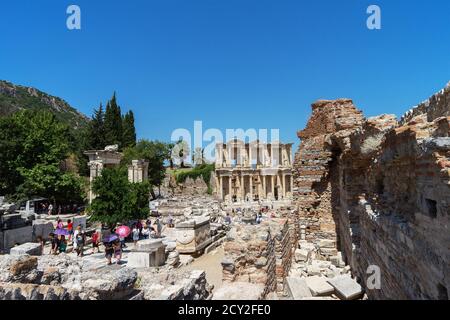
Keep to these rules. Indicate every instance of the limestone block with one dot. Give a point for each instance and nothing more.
(313, 270)
(346, 287)
(319, 286)
(146, 259)
(326, 243)
(301, 255)
(297, 288)
(33, 249)
(149, 245)
(42, 228)
(138, 260)
(306, 245)
(17, 236)
(328, 251)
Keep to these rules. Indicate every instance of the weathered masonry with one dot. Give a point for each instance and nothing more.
(247, 172)
(109, 158)
(381, 189)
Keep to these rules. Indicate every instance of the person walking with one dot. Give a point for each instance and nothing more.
(228, 219)
(95, 241)
(50, 209)
(135, 232)
(79, 241)
(109, 251)
(62, 244)
(55, 243)
(117, 251)
(41, 241)
(70, 228)
(158, 227)
(59, 224)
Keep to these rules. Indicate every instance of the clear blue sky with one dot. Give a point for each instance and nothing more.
(230, 63)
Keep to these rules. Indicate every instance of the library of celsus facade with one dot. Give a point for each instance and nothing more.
(255, 171)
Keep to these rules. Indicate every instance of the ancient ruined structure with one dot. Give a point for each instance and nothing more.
(260, 255)
(109, 158)
(193, 235)
(381, 189)
(138, 171)
(99, 159)
(247, 172)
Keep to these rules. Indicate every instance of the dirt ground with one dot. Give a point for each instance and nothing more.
(211, 264)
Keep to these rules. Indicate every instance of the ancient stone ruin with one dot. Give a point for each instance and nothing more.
(362, 212)
(381, 190)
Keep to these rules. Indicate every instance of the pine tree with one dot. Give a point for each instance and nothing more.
(129, 131)
(113, 123)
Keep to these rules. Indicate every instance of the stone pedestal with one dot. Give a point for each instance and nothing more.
(193, 235)
(148, 253)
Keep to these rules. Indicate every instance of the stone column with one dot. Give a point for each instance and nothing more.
(264, 186)
(230, 193)
(263, 156)
(283, 183)
(292, 183)
(242, 188)
(220, 187)
(219, 155)
(251, 187)
(273, 186)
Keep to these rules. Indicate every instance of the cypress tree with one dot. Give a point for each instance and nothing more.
(95, 139)
(129, 130)
(113, 123)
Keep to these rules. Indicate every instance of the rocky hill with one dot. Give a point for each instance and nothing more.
(15, 97)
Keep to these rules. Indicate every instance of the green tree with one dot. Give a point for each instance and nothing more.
(95, 133)
(118, 200)
(113, 123)
(90, 138)
(36, 144)
(128, 130)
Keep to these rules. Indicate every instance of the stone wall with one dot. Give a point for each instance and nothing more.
(259, 254)
(382, 190)
(314, 176)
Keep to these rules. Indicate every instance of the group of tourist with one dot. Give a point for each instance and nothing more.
(48, 208)
(146, 230)
(63, 235)
(258, 215)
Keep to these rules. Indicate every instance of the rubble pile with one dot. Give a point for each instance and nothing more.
(173, 285)
(258, 254)
(61, 278)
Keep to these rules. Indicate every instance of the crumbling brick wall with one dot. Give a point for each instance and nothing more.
(313, 177)
(386, 187)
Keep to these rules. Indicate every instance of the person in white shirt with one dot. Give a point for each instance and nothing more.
(145, 232)
(135, 232)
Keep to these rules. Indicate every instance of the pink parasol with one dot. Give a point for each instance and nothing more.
(123, 231)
